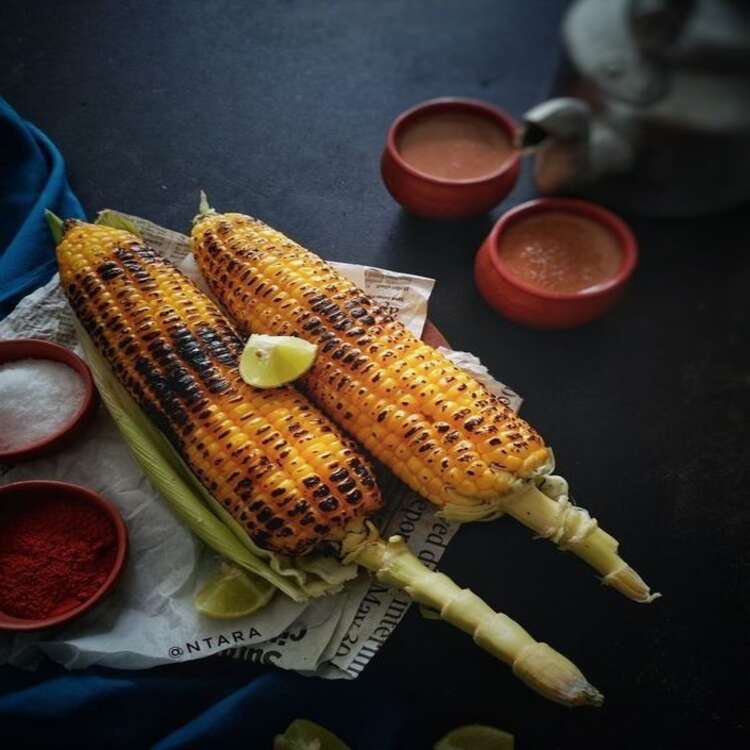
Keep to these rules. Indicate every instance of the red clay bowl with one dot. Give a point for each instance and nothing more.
(436, 197)
(15, 349)
(19, 492)
(541, 308)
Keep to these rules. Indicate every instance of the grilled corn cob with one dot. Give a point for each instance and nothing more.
(280, 468)
(430, 422)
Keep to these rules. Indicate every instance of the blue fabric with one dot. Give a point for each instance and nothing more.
(215, 703)
(32, 178)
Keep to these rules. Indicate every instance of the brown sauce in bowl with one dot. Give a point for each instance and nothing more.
(455, 146)
(562, 252)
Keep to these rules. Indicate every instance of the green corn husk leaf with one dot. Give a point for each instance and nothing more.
(299, 579)
(110, 218)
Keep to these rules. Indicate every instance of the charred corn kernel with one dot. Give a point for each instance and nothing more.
(270, 284)
(270, 458)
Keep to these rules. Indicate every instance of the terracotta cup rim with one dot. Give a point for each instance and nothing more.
(10, 623)
(447, 103)
(41, 349)
(611, 221)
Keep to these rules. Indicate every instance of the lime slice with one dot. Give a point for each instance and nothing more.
(271, 361)
(476, 737)
(306, 735)
(233, 593)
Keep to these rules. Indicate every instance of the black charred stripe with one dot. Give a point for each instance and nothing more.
(162, 390)
(354, 497)
(339, 353)
(323, 306)
(211, 244)
(361, 471)
(224, 347)
(184, 385)
(109, 270)
(219, 385)
(190, 350)
(260, 537)
(162, 423)
(131, 263)
(307, 519)
(312, 323)
(299, 507)
(343, 382)
(328, 505)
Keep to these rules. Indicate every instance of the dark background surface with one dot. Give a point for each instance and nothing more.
(279, 109)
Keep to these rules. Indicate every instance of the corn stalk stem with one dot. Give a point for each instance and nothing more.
(204, 208)
(542, 668)
(573, 529)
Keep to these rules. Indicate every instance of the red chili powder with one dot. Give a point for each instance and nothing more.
(54, 555)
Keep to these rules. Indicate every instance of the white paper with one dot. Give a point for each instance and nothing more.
(149, 619)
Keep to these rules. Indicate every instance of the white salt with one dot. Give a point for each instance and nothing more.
(37, 398)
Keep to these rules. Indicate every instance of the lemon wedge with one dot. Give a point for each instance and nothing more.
(233, 593)
(476, 737)
(302, 734)
(271, 361)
